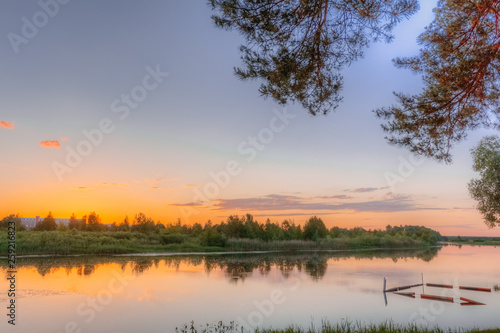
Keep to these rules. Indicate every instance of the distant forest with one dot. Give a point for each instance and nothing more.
(235, 227)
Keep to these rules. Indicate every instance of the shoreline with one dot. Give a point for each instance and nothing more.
(170, 254)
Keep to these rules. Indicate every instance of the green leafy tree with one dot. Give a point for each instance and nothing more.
(83, 223)
(298, 48)
(94, 222)
(315, 229)
(145, 224)
(486, 189)
(460, 66)
(6, 221)
(125, 225)
(62, 227)
(196, 229)
(234, 228)
(211, 237)
(74, 222)
(272, 231)
(48, 223)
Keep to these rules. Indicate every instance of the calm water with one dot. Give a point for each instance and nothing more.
(159, 293)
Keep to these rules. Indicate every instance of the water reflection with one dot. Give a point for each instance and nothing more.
(160, 292)
(236, 267)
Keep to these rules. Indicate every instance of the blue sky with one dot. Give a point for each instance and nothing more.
(64, 80)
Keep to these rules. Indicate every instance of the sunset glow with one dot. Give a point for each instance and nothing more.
(163, 127)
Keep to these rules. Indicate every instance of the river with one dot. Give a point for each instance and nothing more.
(157, 293)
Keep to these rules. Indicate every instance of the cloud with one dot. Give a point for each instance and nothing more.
(367, 189)
(189, 185)
(454, 226)
(280, 202)
(153, 183)
(335, 197)
(50, 144)
(64, 139)
(102, 185)
(289, 214)
(189, 204)
(6, 124)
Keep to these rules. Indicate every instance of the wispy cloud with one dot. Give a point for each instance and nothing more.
(64, 139)
(103, 185)
(289, 214)
(50, 144)
(342, 197)
(154, 182)
(276, 202)
(366, 189)
(189, 185)
(454, 226)
(189, 204)
(6, 124)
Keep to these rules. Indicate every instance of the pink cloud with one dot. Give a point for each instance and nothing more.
(6, 124)
(64, 139)
(50, 144)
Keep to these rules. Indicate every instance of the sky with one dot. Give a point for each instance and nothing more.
(122, 107)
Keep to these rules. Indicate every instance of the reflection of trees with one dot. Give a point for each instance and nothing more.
(316, 267)
(141, 265)
(235, 267)
(238, 267)
(85, 270)
(238, 271)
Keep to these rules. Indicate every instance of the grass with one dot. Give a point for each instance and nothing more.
(123, 242)
(344, 327)
(341, 243)
(464, 240)
(86, 242)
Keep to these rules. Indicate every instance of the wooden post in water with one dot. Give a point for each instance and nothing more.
(423, 290)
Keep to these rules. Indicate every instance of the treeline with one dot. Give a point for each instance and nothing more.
(234, 228)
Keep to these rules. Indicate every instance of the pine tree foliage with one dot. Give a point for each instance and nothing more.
(460, 66)
(298, 47)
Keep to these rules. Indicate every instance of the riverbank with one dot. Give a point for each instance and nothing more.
(127, 242)
(465, 240)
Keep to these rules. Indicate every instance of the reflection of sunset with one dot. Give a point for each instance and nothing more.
(90, 277)
(227, 286)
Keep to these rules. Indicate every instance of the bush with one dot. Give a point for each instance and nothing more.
(174, 238)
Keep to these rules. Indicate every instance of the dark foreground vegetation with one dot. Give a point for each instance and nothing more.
(344, 327)
(89, 236)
